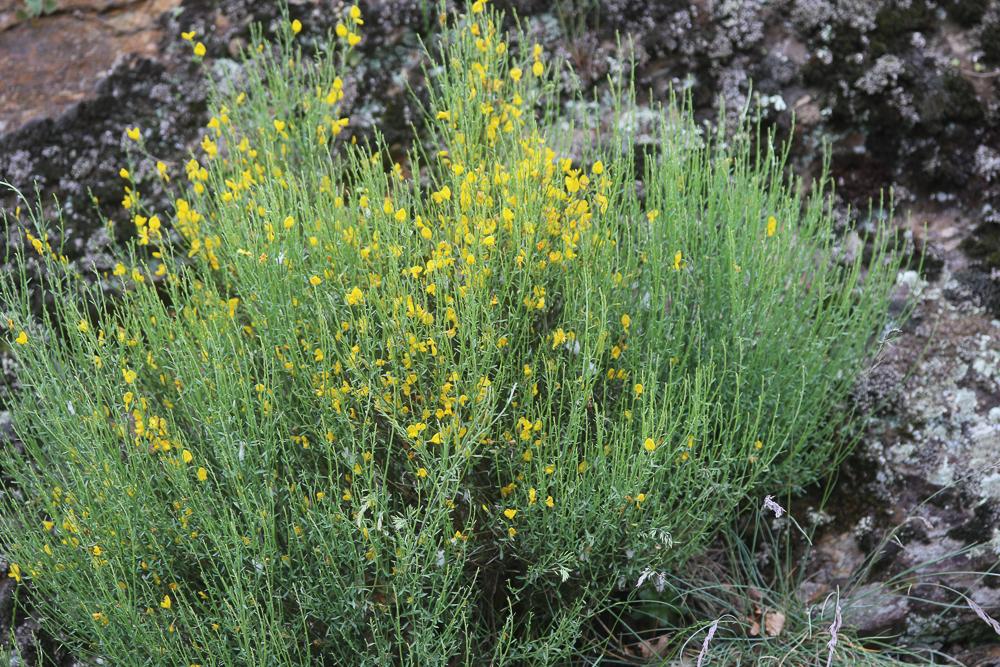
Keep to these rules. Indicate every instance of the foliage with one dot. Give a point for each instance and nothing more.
(32, 9)
(433, 412)
(751, 586)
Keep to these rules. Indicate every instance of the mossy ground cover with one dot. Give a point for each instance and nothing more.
(445, 410)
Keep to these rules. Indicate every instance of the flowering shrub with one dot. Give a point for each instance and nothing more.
(443, 412)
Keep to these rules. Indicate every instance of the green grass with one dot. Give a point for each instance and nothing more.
(438, 412)
(750, 585)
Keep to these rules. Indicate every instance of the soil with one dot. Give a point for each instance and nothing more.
(904, 93)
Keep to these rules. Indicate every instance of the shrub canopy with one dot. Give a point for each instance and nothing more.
(441, 412)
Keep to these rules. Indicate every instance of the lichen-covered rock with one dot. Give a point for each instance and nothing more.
(929, 468)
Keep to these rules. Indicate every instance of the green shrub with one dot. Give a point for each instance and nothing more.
(437, 413)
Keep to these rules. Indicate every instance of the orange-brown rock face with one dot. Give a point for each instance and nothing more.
(51, 62)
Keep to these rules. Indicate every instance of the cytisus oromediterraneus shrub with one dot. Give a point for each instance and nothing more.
(444, 411)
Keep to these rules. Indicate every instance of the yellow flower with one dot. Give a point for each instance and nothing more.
(598, 168)
(161, 169)
(515, 74)
(355, 296)
(202, 474)
(199, 50)
(188, 36)
(649, 445)
(355, 13)
(549, 502)
(82, 326)
(186, 456)
(772, 225)
(538, 68)
(123, 172)
(626, 321)
(22, 338)
(510, 513)
(353, 39)
(279, 125)
(296, 26)
(573, 183)
(558, 338)
(14, 572)
(638, 389)
(129, 375)
(678, 260)
(134, 134)
(315, 281)
(165, 602)
(421, 472)
(209, 146)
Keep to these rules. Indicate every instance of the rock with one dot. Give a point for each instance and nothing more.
(873, 610)
(53, 62)
(7, 586)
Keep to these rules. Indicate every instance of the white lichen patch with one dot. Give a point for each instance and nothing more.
(945, 372)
